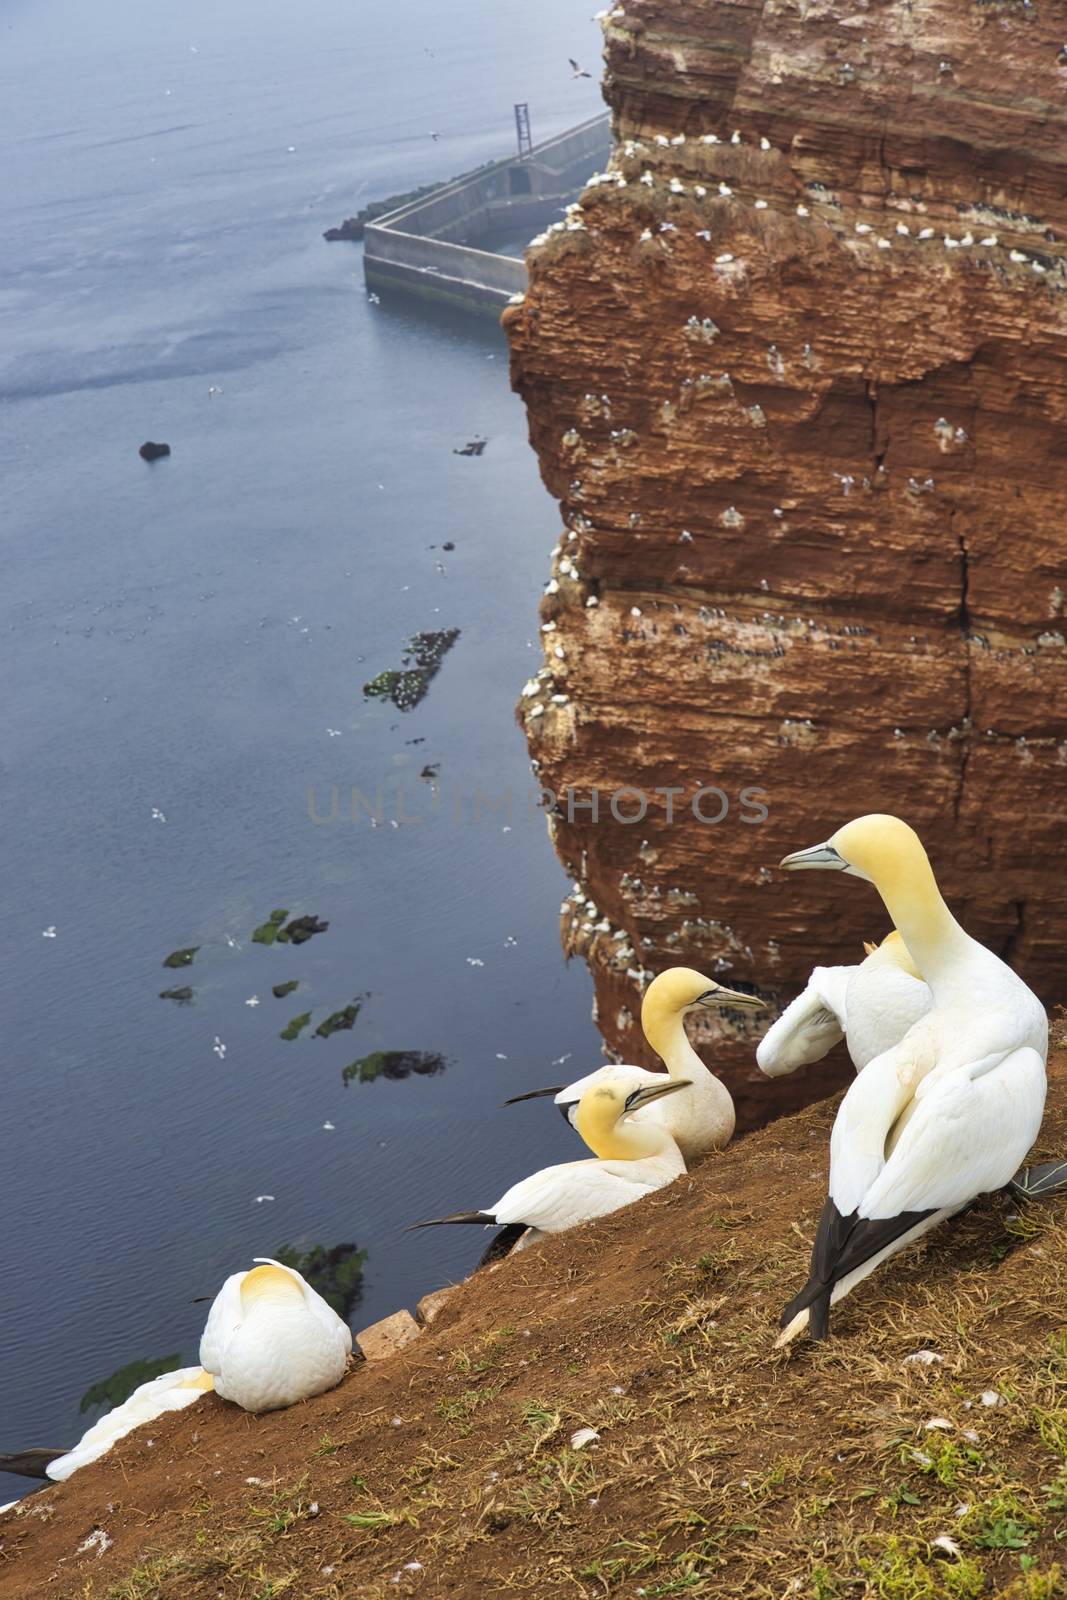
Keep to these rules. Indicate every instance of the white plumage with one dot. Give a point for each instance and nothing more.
(701, 1119)
(946, 1114)
(271, 1340)
(632, 1160)
(170, 1392)
(871, 1006)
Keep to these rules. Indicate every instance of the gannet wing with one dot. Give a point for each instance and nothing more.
(575, 1191)
(882, 1003)
(967, 1136)
(809, 1026)
(865, 1117)
(225, 1316)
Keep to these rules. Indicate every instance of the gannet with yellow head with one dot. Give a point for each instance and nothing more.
(946, 1114)
(870, 1005)
(632, 1158)
(700, 1120)
(271, 1340)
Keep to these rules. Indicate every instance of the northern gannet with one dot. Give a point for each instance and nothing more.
(271, 1340)
(703, 1118)
(945, 1115)
(172, 1391)
(871, 1006)
(633, 1158)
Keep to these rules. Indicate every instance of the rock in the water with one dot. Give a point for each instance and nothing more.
(181, 958)
(183, 996)
(280, 990)
(301, 929)
(151, 451)
(385, 1338)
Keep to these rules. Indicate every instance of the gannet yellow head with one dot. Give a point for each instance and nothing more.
(680, 990)
(602, 1108)
(270, 1281)
(879, 848)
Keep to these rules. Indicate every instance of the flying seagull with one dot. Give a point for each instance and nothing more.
(576, 70)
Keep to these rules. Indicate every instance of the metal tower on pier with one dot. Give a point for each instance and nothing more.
(522, 128)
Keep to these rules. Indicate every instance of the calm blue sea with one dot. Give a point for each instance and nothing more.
(180, 638)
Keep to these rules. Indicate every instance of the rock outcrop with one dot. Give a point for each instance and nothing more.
(794, 370)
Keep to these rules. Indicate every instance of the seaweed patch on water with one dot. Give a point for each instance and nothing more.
(280, 990)
(336, 1273)
(394, 1065)
(268, 931)
(295, 1028)
(419, 664)
(181, 958)
(298, 931)
(111, 1392)
(183, 995)
(339, 1021)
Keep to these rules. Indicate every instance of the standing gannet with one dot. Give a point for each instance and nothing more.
(871, 1006)
(271, 1340)
(703, 1118)
(943, 1116)
(633, 1159)
(172, 1391)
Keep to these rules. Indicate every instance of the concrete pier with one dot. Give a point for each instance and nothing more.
(442, 247)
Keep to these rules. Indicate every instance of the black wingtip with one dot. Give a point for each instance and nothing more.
(486, 1219)
(534, 1094)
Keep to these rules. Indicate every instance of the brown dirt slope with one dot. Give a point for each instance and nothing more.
(722, 1468)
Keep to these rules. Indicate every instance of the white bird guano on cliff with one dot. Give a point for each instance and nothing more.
(871, 1006)
(633, 1159)
(703, 1118)
(943, 1116)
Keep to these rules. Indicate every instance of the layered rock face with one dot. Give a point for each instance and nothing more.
(795, 370)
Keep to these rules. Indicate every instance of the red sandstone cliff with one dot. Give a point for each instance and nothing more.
(795, 371)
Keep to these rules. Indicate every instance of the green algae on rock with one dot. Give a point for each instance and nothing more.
(295, 1028)
(420, 662)
(394, 1065)
(338, 1021)
(181, 958)
(280, 990)
(268, 931)
(183, 995)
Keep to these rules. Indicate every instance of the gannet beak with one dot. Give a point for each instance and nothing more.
(822, 856)
(655, 1091)
(534, 1094)
(720, 996)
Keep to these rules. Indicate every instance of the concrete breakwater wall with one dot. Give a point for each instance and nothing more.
(442, 246)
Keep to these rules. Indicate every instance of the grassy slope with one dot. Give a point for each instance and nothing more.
(722, 1469)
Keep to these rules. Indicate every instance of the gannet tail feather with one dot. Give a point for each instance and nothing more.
(486, 1219)
(502, 1243)
(846, 1248)
(30, 1463)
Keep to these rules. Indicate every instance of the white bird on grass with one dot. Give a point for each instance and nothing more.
(633, 1158)
(945, 1115)
(871, 1006)
(700, 1120)
(271, 1340)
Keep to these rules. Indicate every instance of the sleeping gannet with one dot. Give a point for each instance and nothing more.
(943, 1116)
(271, 1340)
(172, 1391)
(871, 1006)
(703, 1118)
(632, 1159)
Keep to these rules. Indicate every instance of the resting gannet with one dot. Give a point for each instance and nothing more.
(172, 1391)
(271, 1340)
(633, 1158)
(700, 1120)
(943, 1116)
